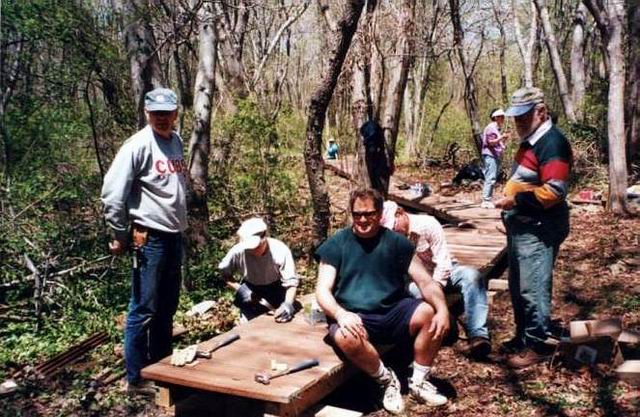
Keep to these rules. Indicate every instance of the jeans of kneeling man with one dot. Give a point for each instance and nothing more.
(469, 282)
(155, 290)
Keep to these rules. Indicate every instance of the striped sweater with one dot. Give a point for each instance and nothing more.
(540, 175)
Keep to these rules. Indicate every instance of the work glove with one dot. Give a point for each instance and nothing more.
(243, 296)
(284, 313)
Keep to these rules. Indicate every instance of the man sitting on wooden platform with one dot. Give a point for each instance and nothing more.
(269, 280)
(361, 288)
(426, 233)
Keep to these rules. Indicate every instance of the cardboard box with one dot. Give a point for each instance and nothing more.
(586, 330)
(630, 371)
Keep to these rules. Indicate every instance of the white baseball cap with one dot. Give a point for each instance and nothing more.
(249, 232)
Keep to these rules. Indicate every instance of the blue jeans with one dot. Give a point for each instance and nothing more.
(469, 282)
(155, 290)
(532, 245)
(490, 170)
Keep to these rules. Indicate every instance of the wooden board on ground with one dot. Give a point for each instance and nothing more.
(232, 369)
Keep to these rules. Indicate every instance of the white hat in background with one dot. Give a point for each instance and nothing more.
(497, 113)
(249, 232)
(388, 219)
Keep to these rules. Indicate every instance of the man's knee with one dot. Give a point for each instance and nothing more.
(422, 316)
(349, 344)
(469, 277)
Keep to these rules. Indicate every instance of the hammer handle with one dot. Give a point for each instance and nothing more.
(309, 363)
(224, 342)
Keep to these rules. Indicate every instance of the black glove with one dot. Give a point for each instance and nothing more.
(284, 313)
(244, 295)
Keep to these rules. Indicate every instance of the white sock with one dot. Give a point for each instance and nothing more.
(382, 370)
(420, 372)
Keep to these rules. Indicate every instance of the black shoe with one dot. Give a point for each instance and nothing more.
(515, 345)
(479, 347)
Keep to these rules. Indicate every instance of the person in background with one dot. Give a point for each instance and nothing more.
(536, 216)
(426, 233)
(493, 145)
(269, 280)
(361, 288)
(145, 188)
(332, 149)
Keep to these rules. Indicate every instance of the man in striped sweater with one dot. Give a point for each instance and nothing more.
(536, 217)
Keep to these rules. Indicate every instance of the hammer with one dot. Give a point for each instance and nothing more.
(266, 377)
(206, 353)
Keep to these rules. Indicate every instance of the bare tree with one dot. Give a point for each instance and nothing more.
(578, 78)
(399, 66)
(361, 103)
(140, 43)
(527, 49)
(318, 103)
(610, 19)
(556, 62)
(500, 17)
(633, 90)
(200, 143)
(468, 69)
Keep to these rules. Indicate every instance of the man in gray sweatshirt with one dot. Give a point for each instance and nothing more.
(144, 197)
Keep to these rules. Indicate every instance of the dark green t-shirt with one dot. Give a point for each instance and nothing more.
(371, 272)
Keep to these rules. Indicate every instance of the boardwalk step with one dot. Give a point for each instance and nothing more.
(498, 285)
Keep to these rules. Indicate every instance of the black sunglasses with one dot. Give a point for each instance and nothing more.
(367, 214)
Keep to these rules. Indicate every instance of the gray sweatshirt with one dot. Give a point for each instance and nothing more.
(148, 178)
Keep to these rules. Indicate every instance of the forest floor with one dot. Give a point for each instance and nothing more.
(597, 275)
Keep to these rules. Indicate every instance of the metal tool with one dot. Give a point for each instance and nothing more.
(266, 377)
(206, 353)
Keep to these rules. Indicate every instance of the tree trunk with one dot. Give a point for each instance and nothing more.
(318, 103)
(527, 49)
(556, 62)
(610, 22)
(361, 104)
(399, 65)
(140, 43)
(633, 90)
(578, 79)
(471, 103)
(200, 143)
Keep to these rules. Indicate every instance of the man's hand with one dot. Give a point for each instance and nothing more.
(117, 247)
(440, 324)
(284, 313)
(505, 203)
(351, 323)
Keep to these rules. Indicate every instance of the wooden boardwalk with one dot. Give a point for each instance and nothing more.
(472, 232)
(232, 369)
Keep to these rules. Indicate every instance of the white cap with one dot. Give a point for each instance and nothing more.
(388, 219)
(249, 231)
(497, 113)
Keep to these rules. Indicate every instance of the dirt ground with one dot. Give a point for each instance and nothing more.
(597, 276)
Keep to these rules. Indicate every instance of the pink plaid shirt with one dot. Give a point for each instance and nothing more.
(427, 235)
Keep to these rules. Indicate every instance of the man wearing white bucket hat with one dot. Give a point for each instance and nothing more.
(493, 145)
(267, 269)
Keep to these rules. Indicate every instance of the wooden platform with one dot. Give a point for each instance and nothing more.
(232, 368)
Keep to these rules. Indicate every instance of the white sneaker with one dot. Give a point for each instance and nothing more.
(487, 205)
(392, 398)
(426, 392)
